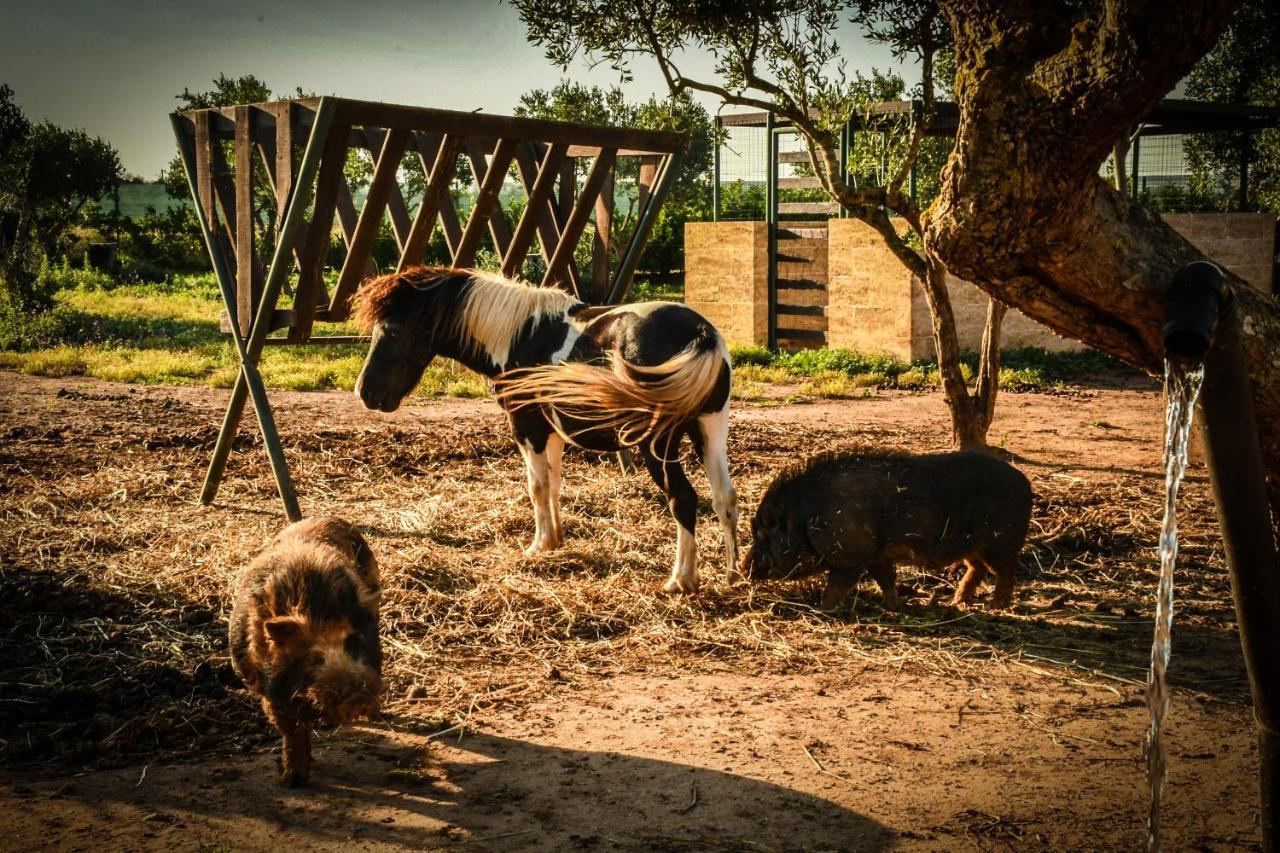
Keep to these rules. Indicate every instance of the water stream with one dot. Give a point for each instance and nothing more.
(1181, 385)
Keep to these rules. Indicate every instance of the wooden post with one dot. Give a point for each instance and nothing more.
(249, 382)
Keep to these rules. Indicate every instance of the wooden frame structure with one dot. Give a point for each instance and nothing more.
(303, 146)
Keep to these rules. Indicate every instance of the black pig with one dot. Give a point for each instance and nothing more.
(854, 511)
(304, 633)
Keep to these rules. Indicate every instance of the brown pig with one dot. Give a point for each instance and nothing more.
(304, 633)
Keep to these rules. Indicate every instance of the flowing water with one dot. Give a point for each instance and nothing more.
(1181, 386)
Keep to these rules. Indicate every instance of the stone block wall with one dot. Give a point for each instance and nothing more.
(1244, 243)
(726, 277)
(874, 306)
(869, 301)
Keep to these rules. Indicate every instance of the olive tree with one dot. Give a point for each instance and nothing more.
(784, 57)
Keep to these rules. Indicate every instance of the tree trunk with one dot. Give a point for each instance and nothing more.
(970, 414)
(1043, 94)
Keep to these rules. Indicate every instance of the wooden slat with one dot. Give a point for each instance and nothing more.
(600, 242)
(799, 183)
(268, 151)
(207, 196)
(354, 267)
(578, 218)
(568, 184)
(648, 174)
(486, 208)
(537, 210)
(224, 190)
(550, 223)
(499, 228)
(450, 225)
(204, 171)
(793, 156)
(311, 275)
(809, 207)
(440, 173)
(286, 165)
(248, 271)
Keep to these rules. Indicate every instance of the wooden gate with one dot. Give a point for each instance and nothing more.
(303, 146)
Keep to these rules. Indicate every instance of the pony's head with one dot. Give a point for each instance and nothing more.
(396, 310)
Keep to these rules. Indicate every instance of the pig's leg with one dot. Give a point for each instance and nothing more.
(1004, 571)
(840, 582)
(538, 470)
(295, 754)
(683, 501)
(886, 577)
(970, 582)
(711, 438)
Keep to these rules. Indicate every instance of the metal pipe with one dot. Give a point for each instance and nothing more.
(1203, 323)
(771, 223)
(1240, 492)
(627, 269)
(715, 166)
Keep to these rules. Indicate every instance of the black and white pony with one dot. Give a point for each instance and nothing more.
(603, 378)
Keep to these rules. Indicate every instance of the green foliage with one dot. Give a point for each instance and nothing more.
(47, 176)
(1243, 68)
(839, 372)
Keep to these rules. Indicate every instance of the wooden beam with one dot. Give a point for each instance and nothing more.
(487, 210)
(358, 252)
(458, 123)
(578, 218)
(248, 271)
(311, 276)
(537, 212)
(440, 174)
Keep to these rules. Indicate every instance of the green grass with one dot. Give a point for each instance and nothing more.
(167, 334)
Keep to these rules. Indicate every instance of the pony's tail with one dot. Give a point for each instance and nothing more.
(641, 403)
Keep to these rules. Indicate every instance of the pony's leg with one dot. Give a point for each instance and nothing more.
(683, 501)
(538, 471)
(713, 430)
(555, 449)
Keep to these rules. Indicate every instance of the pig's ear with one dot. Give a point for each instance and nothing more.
(767, 517)
(283, 630)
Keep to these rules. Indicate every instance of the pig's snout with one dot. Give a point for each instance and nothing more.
(344, 689)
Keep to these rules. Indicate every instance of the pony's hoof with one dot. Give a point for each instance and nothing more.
(677, 585)
(537, 548)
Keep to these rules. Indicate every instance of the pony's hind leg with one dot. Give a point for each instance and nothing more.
(713, 434)
(555, 451)
(538, 470)
(683, 501)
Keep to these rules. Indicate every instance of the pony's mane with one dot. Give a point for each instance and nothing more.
(490, 313)
(495, 308)
(381, 297)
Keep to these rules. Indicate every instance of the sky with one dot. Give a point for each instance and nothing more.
(113, 67)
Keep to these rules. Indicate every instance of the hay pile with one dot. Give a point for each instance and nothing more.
(114, 584)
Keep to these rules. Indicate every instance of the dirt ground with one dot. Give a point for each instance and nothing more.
(562, 702)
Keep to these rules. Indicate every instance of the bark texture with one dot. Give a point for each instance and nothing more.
(1045, 90)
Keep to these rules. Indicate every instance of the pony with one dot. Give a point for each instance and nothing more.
(643, 375)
